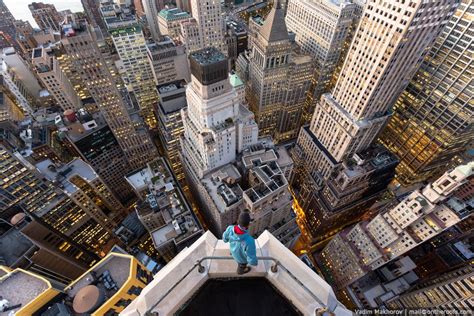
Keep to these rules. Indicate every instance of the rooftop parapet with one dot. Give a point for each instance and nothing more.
(208, 259)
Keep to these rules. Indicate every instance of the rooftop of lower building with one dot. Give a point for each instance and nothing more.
(223, 187)
(78, 125)
(260, 164)
(100, 283)
(61, 174)
(163, 196)
(18, 288)
(174, 14)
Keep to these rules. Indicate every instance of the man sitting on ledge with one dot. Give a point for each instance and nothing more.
(242, 245)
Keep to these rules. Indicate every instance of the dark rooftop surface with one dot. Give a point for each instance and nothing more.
(239, 297)
(207, 56)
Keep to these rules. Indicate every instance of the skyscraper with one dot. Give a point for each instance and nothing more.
(170, 123)
(91, 8)
(89, 136)
(129, 41)
(210, 121)
(17, 76)
(383, 56)
(208, 15)
(7, 27)
(220, 137)
(70, 201)
(46, 15)
(80, 43)
(279, 78)
(49, 71)
(168, 60)
(169, 21)
(25, 37)
(152, 9)
(324, 30)
(433, 118)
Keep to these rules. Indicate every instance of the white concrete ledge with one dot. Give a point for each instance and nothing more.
(300, 285)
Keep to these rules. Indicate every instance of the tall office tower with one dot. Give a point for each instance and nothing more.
(130, 44)
(73, 75)
(20, 80)
(213, 131)
(152, 9)
(25, 37)
(46, 16)
(432, 119)
(91, 8)
(49, 71)
(190, 35)
(170, 20)
(90, 137)
(450, 291)
(420, 216)
(324, 30)
(279, 77)
(169, 61)
(23, 245)
(79, 42)
(7, 27)
(184, 5)
(218, 133)
(77, 208)
(385, 53)
(170, 123)
(348, 192)
(208, 15)
(10, 109)
(163, 209)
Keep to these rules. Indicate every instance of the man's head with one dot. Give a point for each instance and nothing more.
(244, 219)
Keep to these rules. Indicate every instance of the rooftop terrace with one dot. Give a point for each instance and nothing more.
(62, 174)
(108, 276)
(223, 186)
(21, 288)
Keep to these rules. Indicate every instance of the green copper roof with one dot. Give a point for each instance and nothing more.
(173, 14)
(235, 81)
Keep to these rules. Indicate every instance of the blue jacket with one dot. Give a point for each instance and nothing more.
(242, 245)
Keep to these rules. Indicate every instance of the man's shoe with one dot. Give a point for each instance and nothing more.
(243, 271)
